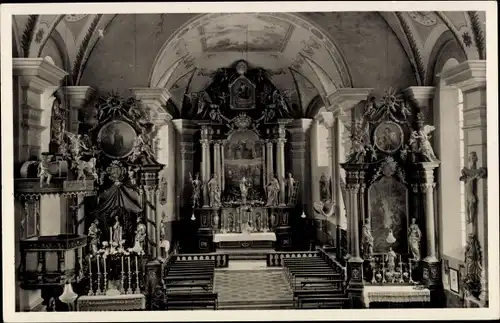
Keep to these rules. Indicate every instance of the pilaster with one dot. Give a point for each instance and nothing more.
(77, 96)
(185, 131)
(154, 98)
(37, 78)
(299, 136)
(422, 97)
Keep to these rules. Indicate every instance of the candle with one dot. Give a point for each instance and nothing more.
(110, 234)
(90, 265)
(136, 264)
(104, 263)
(129, 264)
(123, 269)
(98, 267)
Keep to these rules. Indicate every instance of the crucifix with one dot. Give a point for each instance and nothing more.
(470, 177)
(473, 255)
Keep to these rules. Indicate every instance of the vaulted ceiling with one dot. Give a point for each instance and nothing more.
(304, 52)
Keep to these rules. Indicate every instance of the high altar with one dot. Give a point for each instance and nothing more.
(241, 192)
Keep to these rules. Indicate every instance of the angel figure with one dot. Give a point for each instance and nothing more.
(419, 143)
(43, 171)
(359, 140)
(279, 100)
(203, 99)
(77, 144)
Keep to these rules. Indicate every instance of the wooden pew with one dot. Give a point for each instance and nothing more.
(192, 301)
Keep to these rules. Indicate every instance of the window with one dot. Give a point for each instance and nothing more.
(463, 215)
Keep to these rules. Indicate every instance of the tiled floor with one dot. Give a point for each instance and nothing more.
(251, 285)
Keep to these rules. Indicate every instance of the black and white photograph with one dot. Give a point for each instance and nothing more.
(234, 161)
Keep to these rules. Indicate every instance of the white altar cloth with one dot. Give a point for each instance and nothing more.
(395, 294)
(257, 236)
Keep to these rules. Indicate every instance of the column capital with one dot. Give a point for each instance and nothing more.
(77, 94)
(37, 74)
(326, 118)
(466, 76)
(153, 98)
(185, 127)
(299, 126)
(345, 98)
(419, 95)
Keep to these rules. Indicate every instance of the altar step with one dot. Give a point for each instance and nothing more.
(256, 305)
(246, 254)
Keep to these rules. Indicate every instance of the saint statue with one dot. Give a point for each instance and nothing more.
(196, 183)
(391, 260)
(117, 232)
(289, 183)
(214, 191)
(140, 236)
(367, 240)
(324, 190)
(95, 236)
(414, 237)
(131, 175)
(244, 189)
(273, 189)
(43, 170)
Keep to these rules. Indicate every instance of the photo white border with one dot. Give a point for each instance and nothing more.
(7, 10)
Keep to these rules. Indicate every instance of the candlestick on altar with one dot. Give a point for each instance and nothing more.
(138, 286)
(110, 234)
(122, 289)
(91, 289)
(105, 286)
(98, 290)
(129, 273)
(409, 267)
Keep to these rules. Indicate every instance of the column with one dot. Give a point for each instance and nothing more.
(281, 168)
(280, 158)
(425, 180)
(38, 79)
(223, 171)
(205, 159)
(76, 97)
(269, 156)
(470, 78)
(217, 162)
(301, 171)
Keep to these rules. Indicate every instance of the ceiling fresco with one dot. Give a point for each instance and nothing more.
(245, 32)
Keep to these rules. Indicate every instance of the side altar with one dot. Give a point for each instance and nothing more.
(242, 196)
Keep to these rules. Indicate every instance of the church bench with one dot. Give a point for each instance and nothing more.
(191, 301)
(190, 270)
(301, 276)
(205, 285)
(320, 282)
(322, 302)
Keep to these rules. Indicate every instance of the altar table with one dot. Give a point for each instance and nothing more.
(395, 294)
(125, 302)
(257, 236)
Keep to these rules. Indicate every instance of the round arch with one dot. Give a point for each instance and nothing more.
(445, 48)
(335, 75)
